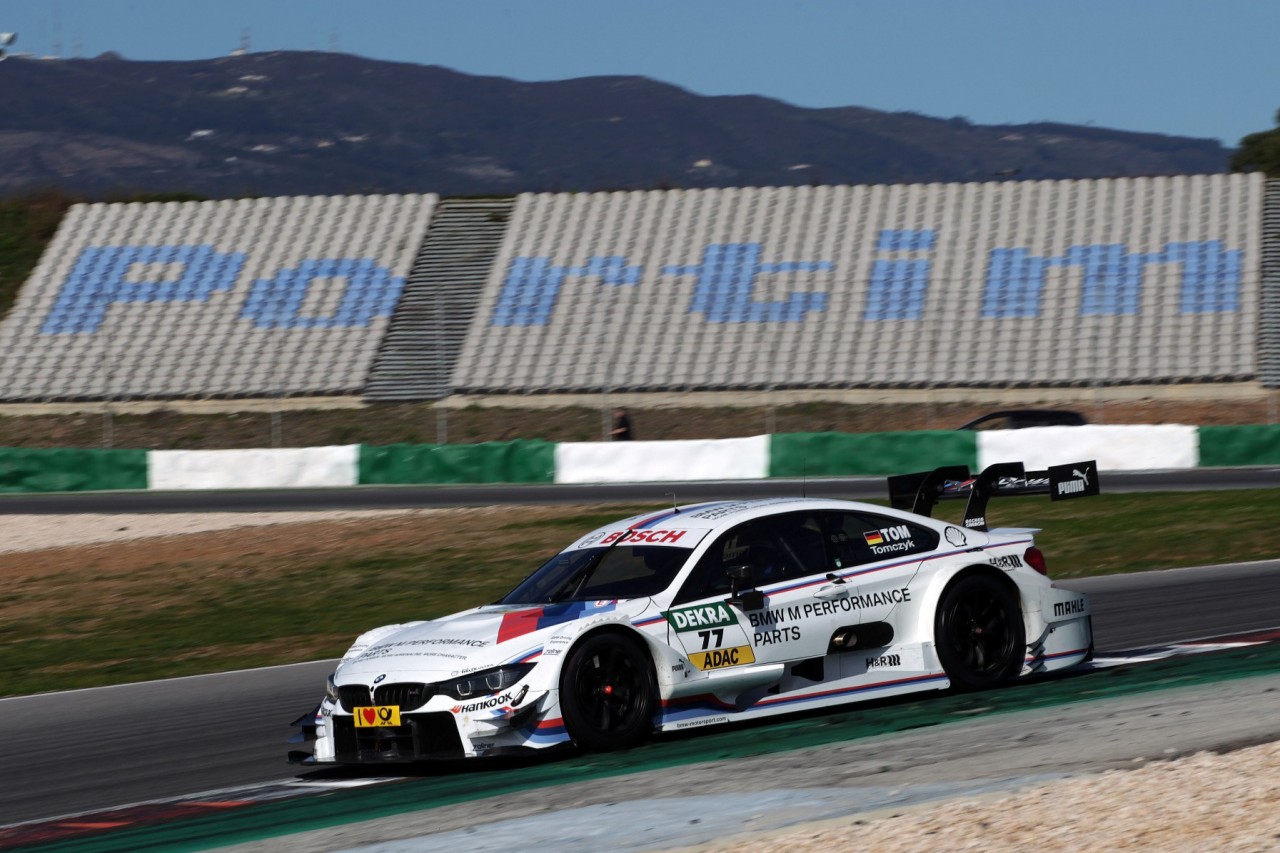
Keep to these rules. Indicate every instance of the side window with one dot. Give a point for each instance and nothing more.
(801, 538)
(779, 547)
(856, 538)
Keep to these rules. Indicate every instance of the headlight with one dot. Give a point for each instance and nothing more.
(331, 689)
(486, 681)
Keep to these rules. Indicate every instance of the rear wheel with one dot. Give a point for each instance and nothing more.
(979, 633)
(608, 692)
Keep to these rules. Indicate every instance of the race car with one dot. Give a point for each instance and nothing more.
(715, 613)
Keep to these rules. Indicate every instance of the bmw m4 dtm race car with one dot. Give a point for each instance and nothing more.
(714, 613)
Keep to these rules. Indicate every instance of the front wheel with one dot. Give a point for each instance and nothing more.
(979, 633)
(608, 692)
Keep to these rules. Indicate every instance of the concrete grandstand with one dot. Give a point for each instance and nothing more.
(993, 285)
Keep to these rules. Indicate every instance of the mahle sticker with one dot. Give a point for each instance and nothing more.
(720, 658)
(699, 617)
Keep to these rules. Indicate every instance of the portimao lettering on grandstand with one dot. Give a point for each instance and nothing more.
(532, 284)
(106, 275)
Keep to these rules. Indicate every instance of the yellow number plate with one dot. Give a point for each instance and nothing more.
(378, 715)
(720, 658)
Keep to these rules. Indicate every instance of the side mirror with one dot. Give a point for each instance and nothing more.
(740, 577)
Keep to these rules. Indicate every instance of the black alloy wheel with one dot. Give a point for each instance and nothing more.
(979, 633)
(608, 692)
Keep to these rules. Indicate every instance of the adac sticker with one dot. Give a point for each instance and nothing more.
(721, 658)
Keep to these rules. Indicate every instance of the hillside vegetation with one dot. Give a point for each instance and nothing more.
(311, 123)
(27, 224)
(29, 221)
(207, 602)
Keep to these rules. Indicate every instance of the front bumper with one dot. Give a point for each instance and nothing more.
(420, 737)
(429, 733)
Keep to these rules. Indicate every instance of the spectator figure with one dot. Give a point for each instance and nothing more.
(621, 425)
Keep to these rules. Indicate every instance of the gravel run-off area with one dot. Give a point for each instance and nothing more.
(35, 532)
(1201, 802)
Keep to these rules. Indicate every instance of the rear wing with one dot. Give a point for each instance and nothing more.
(919, 493)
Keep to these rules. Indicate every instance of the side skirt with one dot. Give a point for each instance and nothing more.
(708, 710)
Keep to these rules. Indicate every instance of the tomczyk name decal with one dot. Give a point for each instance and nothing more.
(887, 540)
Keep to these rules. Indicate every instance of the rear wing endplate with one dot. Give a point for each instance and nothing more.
(919, 493)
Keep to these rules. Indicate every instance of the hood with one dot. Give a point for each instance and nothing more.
(474, 639)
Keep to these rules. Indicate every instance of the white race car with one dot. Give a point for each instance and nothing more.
(714, 613)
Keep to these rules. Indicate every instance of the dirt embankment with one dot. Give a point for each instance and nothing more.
(423, 423)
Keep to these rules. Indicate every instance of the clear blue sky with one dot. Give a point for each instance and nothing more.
(1205, 68)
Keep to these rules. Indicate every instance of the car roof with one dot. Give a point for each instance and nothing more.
(702, 518)
(1031, 417)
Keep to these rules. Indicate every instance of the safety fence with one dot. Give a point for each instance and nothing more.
(1116, 448)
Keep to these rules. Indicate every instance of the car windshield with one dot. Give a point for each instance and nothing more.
(592, 574)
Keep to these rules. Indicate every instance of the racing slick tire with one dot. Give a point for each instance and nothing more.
(979, 633)
(608, 692)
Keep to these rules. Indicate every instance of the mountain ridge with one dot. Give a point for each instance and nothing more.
(322, 123)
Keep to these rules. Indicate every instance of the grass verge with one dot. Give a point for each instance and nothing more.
(214, 601)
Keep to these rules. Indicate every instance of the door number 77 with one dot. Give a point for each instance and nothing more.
(706, 638)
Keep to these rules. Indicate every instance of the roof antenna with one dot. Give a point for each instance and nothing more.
(672, 495)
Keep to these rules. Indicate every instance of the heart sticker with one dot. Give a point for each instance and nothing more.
(369, 715)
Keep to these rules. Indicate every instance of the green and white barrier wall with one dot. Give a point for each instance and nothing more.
(30, 470)
(663, 461)
(824, 454)
(833, 454)
(489, 462)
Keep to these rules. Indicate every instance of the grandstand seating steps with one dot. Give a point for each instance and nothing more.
(1269, 298)
(418, 351)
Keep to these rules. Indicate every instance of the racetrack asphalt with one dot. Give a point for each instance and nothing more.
(880, 775)
(387, 497)
(72, 752)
